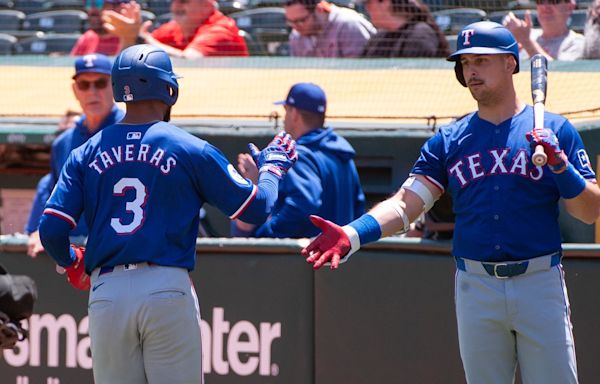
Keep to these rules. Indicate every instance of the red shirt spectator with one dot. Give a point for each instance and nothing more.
(217, 36)
(92, 42)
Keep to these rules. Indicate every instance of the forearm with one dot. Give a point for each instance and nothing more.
(585, 206)
(54, 234)
(260, 208)
(533, 48)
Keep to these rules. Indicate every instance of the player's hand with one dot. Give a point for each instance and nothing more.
(247, 167)
(521, 29)
(34, 244)
(548, 140)
(330, 246)
(76, 275)
(277, 157)
(126, 23)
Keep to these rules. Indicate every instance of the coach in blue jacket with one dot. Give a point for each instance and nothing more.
(92, 89)
(324, 180)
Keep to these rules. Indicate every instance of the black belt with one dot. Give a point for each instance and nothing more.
(509, 269)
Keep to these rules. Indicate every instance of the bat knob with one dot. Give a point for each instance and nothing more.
(539, 157)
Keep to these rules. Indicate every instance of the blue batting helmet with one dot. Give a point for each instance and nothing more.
(483, 38)
(144, 72)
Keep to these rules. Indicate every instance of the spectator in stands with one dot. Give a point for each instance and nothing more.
(321, 29)
(98, 39)
(93, 91)
(591, 33)
(554, 40)
(406, 28)
(324, 180)
(198, 29)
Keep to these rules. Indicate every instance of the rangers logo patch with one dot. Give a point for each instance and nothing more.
(233, 173)
(584, 160)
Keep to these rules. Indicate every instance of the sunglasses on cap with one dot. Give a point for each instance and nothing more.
(84, 85)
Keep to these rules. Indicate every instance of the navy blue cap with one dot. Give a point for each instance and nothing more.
(93, 63)
(306, 96)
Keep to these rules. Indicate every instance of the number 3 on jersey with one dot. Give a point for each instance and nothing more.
(136, 206)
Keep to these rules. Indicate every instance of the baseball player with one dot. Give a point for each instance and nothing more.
(91, 87)
(139, 185)
(511, 300)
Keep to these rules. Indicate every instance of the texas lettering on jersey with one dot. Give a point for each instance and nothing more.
(469, 168)
(129, 153)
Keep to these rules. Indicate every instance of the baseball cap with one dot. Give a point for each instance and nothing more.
(306, 96)
(93, 63)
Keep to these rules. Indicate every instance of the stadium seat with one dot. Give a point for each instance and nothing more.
(32, 6)
(7, 43)
(267, 25)
(452, 42)
(451, 21)
(275, 42)
(11, 20)
(46, 44)
(577, 20)
(498, 16)
(147, 15)
(7, 4)
(160, 20)
(62, 21)
(231, 6)
(67, 4)
(270, 18)
(254, 48)
(159, 7)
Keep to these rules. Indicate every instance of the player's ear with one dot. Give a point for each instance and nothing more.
(511, 63)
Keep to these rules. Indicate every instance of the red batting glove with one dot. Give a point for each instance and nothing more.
(548, 140)
(331, 245)
(76, 275)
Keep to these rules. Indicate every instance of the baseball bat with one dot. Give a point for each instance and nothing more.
(539, 83)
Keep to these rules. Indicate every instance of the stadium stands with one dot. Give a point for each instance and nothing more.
(7, 44)
(61, 21)
(577, 20)
(267, 26)
(11, 20)
(451, 21)
(56, 43)
(32, 6)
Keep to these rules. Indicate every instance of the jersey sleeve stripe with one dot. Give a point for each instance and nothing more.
(245, 205)
(62, 215)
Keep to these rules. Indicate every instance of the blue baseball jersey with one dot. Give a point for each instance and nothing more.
(506, 207)
(61, 148)
(140, 188)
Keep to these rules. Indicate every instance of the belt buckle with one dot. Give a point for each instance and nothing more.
(496, 271)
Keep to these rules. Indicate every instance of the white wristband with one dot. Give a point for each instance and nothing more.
(354, 242)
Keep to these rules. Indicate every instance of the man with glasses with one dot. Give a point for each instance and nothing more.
(321, 29)
(554, 39)
(93, 91)
(98, 39)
